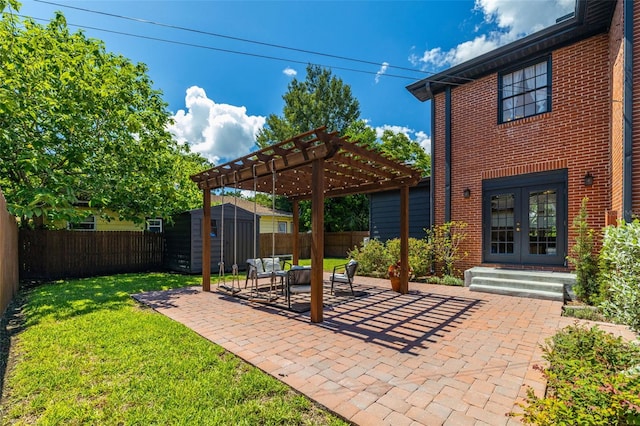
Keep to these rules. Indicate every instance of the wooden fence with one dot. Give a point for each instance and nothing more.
(336, 244)
(8, 256)
(50, 255)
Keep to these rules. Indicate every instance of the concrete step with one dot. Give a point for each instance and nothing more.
(522, 283)
(516, 274)
(512, 291)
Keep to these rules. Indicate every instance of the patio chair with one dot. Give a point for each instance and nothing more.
(345, 277)
(298, 280)
(262, 268)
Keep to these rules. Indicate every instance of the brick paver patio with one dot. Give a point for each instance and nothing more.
(439, 355)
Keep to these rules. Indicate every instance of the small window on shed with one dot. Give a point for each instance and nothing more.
(282, 227)
(214, 228)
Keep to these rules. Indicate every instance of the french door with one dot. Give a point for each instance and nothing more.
(524, 220)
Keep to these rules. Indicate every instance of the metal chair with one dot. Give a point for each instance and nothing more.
(345, 277)
(298, 280)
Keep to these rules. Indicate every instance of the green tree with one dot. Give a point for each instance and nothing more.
(321, 100)
(78, 123)
(399, 147)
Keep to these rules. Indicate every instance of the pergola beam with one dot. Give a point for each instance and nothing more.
(313, 165)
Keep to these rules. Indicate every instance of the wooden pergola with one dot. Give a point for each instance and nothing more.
(313, 165)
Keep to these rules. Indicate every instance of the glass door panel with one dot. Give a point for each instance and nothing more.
(502, 223)
(543, 226)
(502, 232)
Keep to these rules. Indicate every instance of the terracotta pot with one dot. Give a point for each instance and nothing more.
(395, 283)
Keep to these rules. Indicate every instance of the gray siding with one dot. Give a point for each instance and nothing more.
(177, 253)
(190, 253)
(384, 212)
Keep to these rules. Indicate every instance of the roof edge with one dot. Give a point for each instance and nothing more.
(580, 26)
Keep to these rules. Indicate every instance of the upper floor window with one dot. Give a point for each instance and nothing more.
(525, 92)
(154, 225)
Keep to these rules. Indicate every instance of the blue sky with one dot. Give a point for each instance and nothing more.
(220, 99)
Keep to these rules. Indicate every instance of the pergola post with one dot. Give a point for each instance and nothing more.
(317, 238)
(206, 240)
(296, 232)
(404, 239)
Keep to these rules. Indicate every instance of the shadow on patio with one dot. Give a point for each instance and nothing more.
(386, 318)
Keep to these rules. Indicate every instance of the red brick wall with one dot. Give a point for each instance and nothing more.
(574, 135)
(616, 60)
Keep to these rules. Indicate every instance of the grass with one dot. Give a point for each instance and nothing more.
(328, 263)
(88, 354)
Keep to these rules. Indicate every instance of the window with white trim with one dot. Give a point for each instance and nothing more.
(282, 227)
(154, 225)
(87, 224)
(525, 92)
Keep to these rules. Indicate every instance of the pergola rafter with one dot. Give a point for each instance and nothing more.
(313, 165)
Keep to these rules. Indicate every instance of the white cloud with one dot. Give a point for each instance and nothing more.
(290, 72)
(419, 136)
(513, 19)
(382, 71)
(217, 131)
(424, 140)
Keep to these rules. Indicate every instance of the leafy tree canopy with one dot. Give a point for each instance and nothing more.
(321, 100)
(78, 123)
(324, 100)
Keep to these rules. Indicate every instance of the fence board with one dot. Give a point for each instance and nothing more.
(50, 255)
(336, 244)
(8, 256)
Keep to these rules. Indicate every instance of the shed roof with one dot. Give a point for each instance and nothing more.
(249, 206)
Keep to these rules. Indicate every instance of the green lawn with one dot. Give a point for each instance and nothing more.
(90, 355)
(328, 263)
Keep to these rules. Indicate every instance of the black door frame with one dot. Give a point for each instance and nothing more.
(520, 186)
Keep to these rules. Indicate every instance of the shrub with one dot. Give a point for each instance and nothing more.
(373, 259)
(446, 280)
(582, 258)
(446, 240)
(420, 255)
(620, 274)
(590, 380)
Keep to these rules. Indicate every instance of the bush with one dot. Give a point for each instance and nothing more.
(590, 380)
(420, 255)
(620, 274)
(446, 240)
(582, 258)
(373, 259)
(446, 280)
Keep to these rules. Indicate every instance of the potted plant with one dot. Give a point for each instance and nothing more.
(394, 275)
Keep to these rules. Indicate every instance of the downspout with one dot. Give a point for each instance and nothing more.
(627, 112)
(447, 154)
(432, 180)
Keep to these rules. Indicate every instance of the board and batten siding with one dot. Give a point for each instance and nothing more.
(177, 255)
(243, 238)
(384, 212)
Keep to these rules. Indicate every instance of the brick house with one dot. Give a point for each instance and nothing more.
(522, 133)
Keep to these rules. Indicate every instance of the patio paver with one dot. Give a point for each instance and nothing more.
(438, 355)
